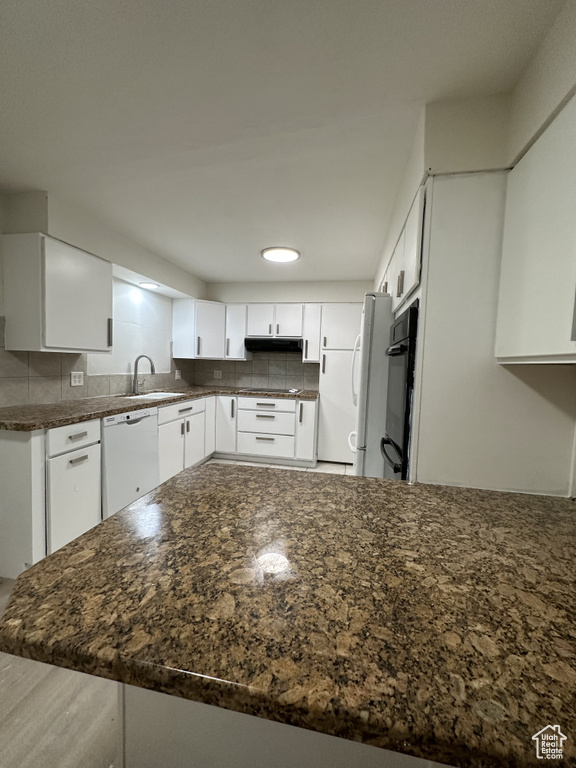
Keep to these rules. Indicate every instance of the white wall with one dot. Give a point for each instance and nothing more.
(142, 325)
(263, 292)
(413, 177)
(483, 425)
(549, 80)
(467, 134)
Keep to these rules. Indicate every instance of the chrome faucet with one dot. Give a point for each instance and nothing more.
(152, 370)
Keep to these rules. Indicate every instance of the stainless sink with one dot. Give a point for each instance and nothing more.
(154, 395)
(272, 391)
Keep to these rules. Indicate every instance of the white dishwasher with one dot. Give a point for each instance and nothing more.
(129, 458)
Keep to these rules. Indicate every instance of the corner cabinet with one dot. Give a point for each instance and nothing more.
(57, 298)
(536, 320)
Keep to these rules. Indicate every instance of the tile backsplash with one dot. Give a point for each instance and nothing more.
(269, 370)
(44, 377)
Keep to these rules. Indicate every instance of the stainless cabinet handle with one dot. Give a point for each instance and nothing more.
(185, 410)
(385, 287)
(182, 428)
(265, 416)
(198, 347)
(266, 439)
(270, 329)
(77, 436)
(400, 284)
(306, 350)
(232, 409)
(110, 331)
(323, 363)
(227, 347)
(78, 459)
(301, 412)
(267, 405)
(187, 426)
(277, 329)
(325, 342)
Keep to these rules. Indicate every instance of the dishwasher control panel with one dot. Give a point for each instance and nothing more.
(138, 415)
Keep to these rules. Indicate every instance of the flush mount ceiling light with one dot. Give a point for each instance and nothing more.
(280, 255)
(150, 286)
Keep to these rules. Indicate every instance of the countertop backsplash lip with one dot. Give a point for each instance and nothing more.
(27, 418)
(421, 626)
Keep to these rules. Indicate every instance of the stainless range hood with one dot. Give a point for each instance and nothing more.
(272, 344)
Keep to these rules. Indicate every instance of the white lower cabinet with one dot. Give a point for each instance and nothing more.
(73, 504)
(273, 428)
(337, 411)
(181, 436)
(225, 424)
(210, 435)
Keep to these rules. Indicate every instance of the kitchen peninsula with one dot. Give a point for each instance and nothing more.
(433, 621)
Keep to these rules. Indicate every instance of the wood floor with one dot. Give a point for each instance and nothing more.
(55, 718)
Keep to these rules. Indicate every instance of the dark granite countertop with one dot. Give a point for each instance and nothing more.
(433, 621)
(26, 418)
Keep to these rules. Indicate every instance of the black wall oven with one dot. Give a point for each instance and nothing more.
(401, 353)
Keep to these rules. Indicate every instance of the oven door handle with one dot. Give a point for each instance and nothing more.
(386, 441)
(396, 349)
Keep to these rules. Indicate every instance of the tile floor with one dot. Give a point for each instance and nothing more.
(56, 718)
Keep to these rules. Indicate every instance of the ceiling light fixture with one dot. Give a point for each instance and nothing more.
(280, 255)
(150, 286)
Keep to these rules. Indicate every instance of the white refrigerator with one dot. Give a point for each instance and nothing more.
(370, 376)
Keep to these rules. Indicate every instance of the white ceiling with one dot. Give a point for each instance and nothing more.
(207, 130)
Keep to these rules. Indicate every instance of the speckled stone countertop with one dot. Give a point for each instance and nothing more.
(429, 620)
(26, 418)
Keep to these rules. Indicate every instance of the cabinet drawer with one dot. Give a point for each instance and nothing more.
(266, 445)
(268, 423)
(266, 404)
(72, 436)
(180, 410)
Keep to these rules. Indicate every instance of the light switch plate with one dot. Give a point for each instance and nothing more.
(217, 374)
(76, 379)
(177, 375)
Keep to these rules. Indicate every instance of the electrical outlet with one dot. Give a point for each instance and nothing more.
(217, 374)
(177, 375)
(76, 379)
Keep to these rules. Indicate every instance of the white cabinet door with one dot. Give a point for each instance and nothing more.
(235, 331)
(260, 320)
(194, 439)
(73, 495)
(306, 430)
(337, 416)
(210, 330)
(536, 313)
(311, 333)
(413, 245)
(183, 328)
(226, 424)
(171, 449)
(78, 298)
(340, 325)
(210, 436)
(288, 320)
(395, 272)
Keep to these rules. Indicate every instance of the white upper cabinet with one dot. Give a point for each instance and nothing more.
(288, 320)
(274, 320)
(340, 325)
(198, 329)
(536, 312)
(311, 333)
(403, 272)
(210, 329)
(260, 320)
(57, 298)
(236, 332)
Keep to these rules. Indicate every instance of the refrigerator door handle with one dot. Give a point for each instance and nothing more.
(354, 357)
(352, 445)
(392, 464)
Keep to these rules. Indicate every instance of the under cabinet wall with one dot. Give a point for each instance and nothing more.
(268, 370)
